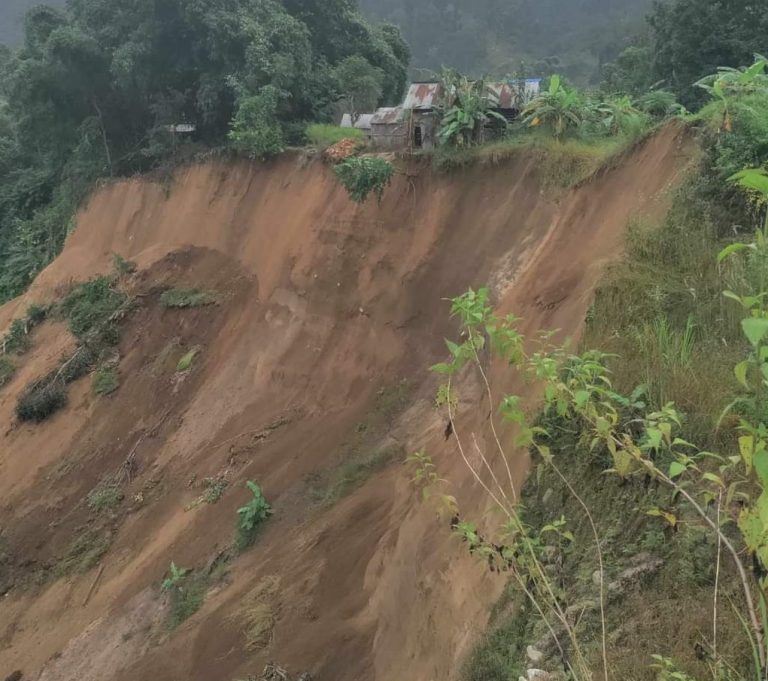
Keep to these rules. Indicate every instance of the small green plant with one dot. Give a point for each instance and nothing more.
(7, 370)
(105, 497)
(186, 591)
(105, 381)
(91, 307)
(251, 516)
(185, 363)
(174, 578)
(86, 550)
(255, 129)
(123, 267)
(557, 108)
(362, 175)
(183, 298)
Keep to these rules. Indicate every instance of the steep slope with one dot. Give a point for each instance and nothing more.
(326, 311)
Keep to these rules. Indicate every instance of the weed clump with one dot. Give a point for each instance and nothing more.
(251, 516)
(105, 497)
(41, 400)
(186, 591)
(105, 381)
(181, 298)
(92, 307)
(7, 370)
(86, 550)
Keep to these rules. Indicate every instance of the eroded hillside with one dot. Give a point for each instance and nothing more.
(309, 377)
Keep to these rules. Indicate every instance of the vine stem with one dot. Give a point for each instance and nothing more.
(717, 582)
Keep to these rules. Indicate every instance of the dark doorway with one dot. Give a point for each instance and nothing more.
(418, 138)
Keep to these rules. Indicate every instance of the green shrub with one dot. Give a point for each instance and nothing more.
(255, 129)
(122, 266)
(86, 550)
(185, 363)
(41, 400)
(186, 590)
(251, 516)
(7, 370)
(105, 381)
(17, 341)
(363, 175)
(183, 298)
(92, 305)
(324, 136)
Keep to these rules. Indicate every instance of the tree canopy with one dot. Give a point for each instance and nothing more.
(96, 88)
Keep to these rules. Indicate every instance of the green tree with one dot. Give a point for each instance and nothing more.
(360, 83)
(255, 129)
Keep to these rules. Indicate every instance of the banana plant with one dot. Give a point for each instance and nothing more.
(728, 82)
(557, 108)
(467, 106)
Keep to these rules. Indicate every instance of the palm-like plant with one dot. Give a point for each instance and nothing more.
(619, 115)
(558, 108)
(660, 104)
(467, 106)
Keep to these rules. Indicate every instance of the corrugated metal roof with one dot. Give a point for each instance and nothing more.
(387, 115)
(510, 95)
(364, 121)
(422, 96)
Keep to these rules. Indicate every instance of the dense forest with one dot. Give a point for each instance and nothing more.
(95, 88)
(501, 37)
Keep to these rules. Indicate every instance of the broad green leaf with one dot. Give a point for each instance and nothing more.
(747, 450)
(714, 478)
(676, 469)
(755, 329)
(760, 462)
(741, 373)
(443, 368)
(752, 178)
(730, 250)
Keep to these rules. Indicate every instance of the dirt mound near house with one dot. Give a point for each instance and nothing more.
(309, 376)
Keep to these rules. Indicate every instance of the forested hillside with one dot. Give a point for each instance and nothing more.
(574, 37)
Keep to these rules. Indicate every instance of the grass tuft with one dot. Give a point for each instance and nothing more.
(7, 370)
(181, 298)
(105, 381)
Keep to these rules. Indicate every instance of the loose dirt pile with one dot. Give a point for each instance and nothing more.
(324, 310)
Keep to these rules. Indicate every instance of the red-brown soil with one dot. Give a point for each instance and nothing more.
(322, 304)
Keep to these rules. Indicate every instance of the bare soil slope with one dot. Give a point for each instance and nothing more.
(326, 310)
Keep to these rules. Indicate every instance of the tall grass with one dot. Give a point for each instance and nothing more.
(323, 136)
(662, 311)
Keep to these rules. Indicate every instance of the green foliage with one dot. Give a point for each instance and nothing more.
(186, 591)
(7, 370)
(97, 88)
(361, 84)
(122, 266)
(17, 339)
(77, 365)
(255, 130)
(185, 298)
(324, 136)
(660, 104)
(185, 363)
(690, 38)
(85, 552)
(105, 381)
(558, 108)
(91, 307)
(339, 482)
(619, 116)
(251, 516)
(466, 109)
(105, 497)
(362, 175)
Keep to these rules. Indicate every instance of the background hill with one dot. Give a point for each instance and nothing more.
(482, 36)
(574, 37)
